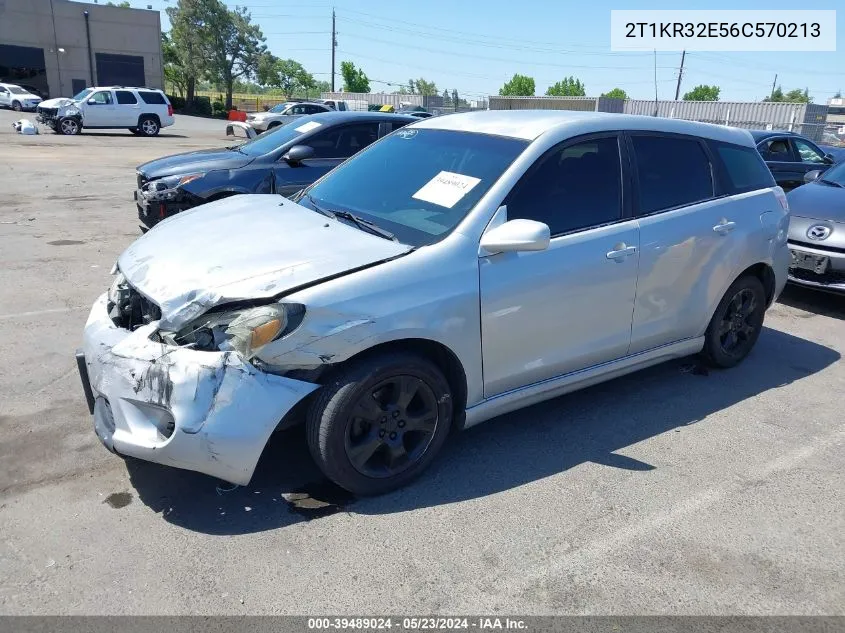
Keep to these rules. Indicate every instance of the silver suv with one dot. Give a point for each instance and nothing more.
(457, 269)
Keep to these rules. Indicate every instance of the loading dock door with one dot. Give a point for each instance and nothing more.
(120, 70)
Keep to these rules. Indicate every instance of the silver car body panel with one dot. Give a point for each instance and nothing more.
(519, 335)
(191, 264)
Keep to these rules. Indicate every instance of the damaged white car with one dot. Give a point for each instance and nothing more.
(455, 270)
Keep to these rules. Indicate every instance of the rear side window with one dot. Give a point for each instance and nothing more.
(776, 150)
(744, 169)
(671, 172)
(125, 97)
(397, 124)
(153, 98)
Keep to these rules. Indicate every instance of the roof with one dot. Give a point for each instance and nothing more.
(759, 135)
(343, 116)
(530, 124)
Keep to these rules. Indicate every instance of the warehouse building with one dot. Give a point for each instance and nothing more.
(61, 47)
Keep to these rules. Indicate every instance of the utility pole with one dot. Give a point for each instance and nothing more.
(680, 74)
(772, 96)
(334, 45)
(655, 83)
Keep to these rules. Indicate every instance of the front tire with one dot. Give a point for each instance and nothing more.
(16, 106)
(379, 422)
(736, 324)
(69, 126)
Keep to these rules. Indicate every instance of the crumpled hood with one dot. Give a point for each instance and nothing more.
(240, 248)
(819, 201)
(198, 161)
(59, 102)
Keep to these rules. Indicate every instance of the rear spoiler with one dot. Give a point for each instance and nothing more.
(231, 126)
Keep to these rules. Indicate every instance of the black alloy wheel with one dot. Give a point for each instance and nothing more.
(391, 426)
(736, 324)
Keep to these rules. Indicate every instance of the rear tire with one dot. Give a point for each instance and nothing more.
(148, 126)
(379, 422)
(736, 324)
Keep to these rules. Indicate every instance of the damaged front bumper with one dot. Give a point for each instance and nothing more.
(211, 412)
(155, 205)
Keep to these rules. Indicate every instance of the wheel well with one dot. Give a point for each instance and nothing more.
(442, 357)
(766, 275)
(149, 116)
(273, 124)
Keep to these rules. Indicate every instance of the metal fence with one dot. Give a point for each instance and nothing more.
(382, 98)
(581, 104)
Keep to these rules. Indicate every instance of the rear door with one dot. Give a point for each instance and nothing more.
(331, 147)
(128, 108)
(690, 236)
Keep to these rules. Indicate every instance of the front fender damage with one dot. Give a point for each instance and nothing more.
(204, 411)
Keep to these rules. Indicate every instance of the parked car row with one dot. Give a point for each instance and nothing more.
(552, 249)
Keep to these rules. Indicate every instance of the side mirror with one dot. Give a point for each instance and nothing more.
(810, 176)
(92, 102)
(299, 153)
(829, 159)
(516, 235)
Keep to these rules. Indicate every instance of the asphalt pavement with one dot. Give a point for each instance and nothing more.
(676, 490)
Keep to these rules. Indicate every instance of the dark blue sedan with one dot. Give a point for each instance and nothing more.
(282, 160)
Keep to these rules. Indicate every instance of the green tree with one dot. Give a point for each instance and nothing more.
(793, 96)
(423, 87)
(456, 100)
(322, 86)
(616, 93)
(184, 52)
(519, 86)
(703, 93)
(286, 74)
(236, 45)
(354, 79)
(122, 5)
(567, 87)
(447, 98)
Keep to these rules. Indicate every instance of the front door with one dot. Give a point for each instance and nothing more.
(779, 155)
(551, 312)
(331, 148)
(98, 110)
(810, 157)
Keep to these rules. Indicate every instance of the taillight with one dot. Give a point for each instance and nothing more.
(781, 196)
(169, 109)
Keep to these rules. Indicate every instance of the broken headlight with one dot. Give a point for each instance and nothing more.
(244, 331)
(171, 182)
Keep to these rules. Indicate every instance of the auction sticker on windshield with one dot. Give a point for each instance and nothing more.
(307, 127)
(446, 189)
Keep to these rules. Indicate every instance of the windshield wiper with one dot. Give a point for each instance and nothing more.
(365, 224)
(831, 183)
(360, 222)
(317, 207)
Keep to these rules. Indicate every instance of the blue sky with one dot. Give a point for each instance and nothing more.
(475, 46)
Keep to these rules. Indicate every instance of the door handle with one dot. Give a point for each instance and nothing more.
(621, 251)
(725, 227)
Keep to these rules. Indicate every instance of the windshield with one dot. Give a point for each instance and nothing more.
(279, 108)
(417, 184)
(278, 136)
(17, 90)
(81, 96)
(835, 174)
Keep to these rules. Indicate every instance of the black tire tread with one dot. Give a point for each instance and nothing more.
(711, 353)
(331, 399)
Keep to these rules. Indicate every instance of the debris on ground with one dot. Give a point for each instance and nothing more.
(25, 126)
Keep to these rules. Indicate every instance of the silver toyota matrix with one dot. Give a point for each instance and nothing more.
(458, 269)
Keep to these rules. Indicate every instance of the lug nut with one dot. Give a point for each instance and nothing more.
(393, 436)
(381, 433)
(395, 414)
(384, 420)
(401, 423)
